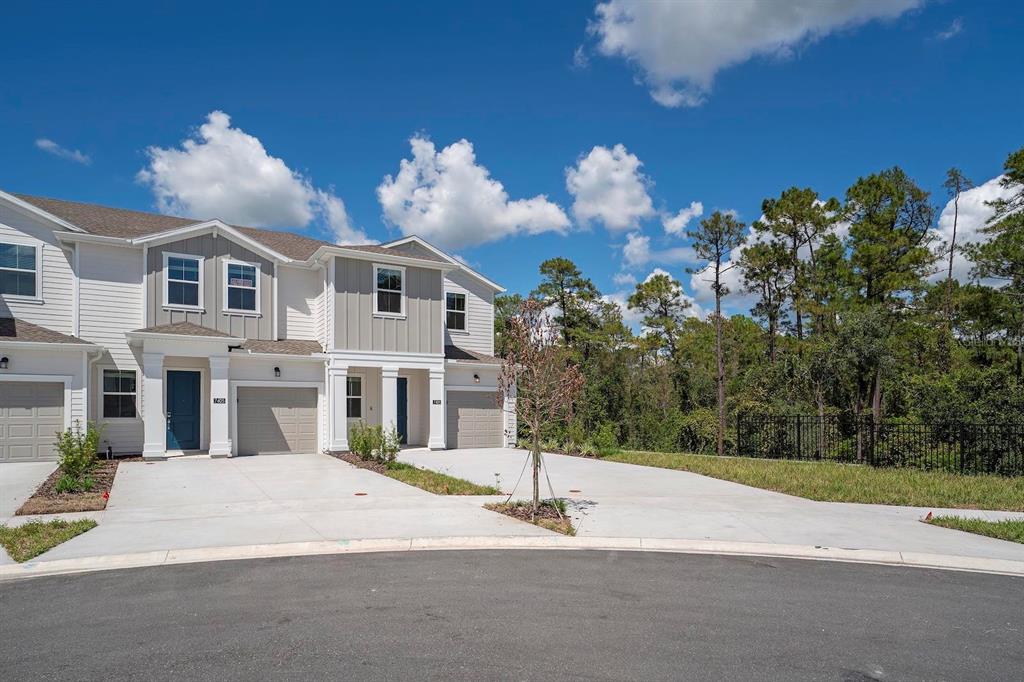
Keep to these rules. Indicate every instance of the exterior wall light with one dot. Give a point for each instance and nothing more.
(277, 371)
(4, 362)
(476, 378)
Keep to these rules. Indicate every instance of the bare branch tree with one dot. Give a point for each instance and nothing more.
(538, 374)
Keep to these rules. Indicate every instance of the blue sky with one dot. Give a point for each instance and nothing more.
(335, 93)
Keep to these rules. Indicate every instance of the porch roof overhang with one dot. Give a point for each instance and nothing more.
(182, 332)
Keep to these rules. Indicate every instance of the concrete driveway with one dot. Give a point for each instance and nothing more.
(200, 502)
(18, 480)
(624, 500)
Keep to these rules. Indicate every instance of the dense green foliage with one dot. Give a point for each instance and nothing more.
(76, 457)
(854, 311)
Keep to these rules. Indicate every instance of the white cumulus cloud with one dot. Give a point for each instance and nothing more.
(954, 29)
(224, 172)
(447, 198)
(607, 186)
(51, 147)
(637, 252)
(974, 213)
(676, 224)
(679, 47)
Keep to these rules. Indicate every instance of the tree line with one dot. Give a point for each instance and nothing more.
(856, 310)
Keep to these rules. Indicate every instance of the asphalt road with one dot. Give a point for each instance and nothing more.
(541, 615)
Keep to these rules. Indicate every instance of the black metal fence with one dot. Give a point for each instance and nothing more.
(939, 446)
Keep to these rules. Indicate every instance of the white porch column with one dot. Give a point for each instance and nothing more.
(389, 398)
(337, 387)
(436, 440)
(153, 421)
(220, 433)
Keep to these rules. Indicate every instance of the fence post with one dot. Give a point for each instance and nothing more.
(799, 444)
(963, 451)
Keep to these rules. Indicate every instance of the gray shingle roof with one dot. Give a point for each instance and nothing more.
(184, 329)
(283, 346)
(463, 355)
(12, 329)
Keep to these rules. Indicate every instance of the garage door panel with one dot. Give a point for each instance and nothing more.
(474, 420)
(31, 415)
(276, 420)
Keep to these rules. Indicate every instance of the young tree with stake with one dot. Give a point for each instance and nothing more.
(538, 374)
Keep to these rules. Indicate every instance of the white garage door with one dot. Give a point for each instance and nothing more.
(276, 420)
(31, 414)
(474, 420)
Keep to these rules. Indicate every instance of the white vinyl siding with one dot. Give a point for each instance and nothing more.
(53, 306)
(298, 293)
(111, 299)
(479, 333)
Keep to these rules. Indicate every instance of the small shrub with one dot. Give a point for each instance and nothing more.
(76, 456)
(605, 440)
(549, 445)
(390, 444)
(373, 443)
(588, 449)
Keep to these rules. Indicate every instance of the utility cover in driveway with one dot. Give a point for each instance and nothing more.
(474, 420)
(276, 420)
(31, 414)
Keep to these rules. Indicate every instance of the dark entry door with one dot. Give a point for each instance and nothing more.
(182, 410)
(403, 410)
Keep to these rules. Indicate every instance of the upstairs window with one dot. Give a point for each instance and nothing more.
(18, 270)
(242, 284)
(455, 311)
(118, 394)
(389, 292)
(184, 280)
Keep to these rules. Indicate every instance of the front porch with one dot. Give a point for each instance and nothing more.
(406, 394)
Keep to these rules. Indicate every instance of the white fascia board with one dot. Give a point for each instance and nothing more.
(243, 354)
(447, 256)
(217, 227)
(33, 210)
(41, 345)
(86, 238)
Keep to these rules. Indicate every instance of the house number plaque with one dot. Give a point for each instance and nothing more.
(220, 401)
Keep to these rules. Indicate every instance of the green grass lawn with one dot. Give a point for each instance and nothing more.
(32, 539)
(434, 482)
(830, 482)
(1004, 530)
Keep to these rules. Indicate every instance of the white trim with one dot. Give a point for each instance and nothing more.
(99, 393)
(245, 354)
(76, 310)
(204, 398)
(142, 335)
(464, 311)
(387, 359)
(233, 386)
(86, 238)
(330, 300)
(256, 312)
(42, 345)
(145, 287)
(402, 292)
(49, 379)
(274, 321)
(167, 255)
(379, 257)
(38, 245)
(32, 209)
(451, 259)
(217, 227)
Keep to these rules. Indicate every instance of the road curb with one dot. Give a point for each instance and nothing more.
(174, 557)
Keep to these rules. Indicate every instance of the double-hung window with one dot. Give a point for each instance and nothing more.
(389, 290)
(19, 270)
(455, 311)
(118, 394)
(241, 287)
(184, 280)
(354, 397)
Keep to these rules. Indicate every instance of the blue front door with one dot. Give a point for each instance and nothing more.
(403, 410)
(182, 410)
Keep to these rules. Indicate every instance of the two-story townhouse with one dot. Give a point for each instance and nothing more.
(178, 335)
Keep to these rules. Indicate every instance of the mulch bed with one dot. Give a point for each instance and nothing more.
(354, 459)
(547, 516)
(46, 499)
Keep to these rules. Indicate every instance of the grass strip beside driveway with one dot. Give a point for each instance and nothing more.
(1004, 530)
(29, 540)
(831, 482)
(434, 482)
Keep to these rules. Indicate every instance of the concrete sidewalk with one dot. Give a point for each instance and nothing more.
(193, 503)
(624, 500)
(18, 480)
